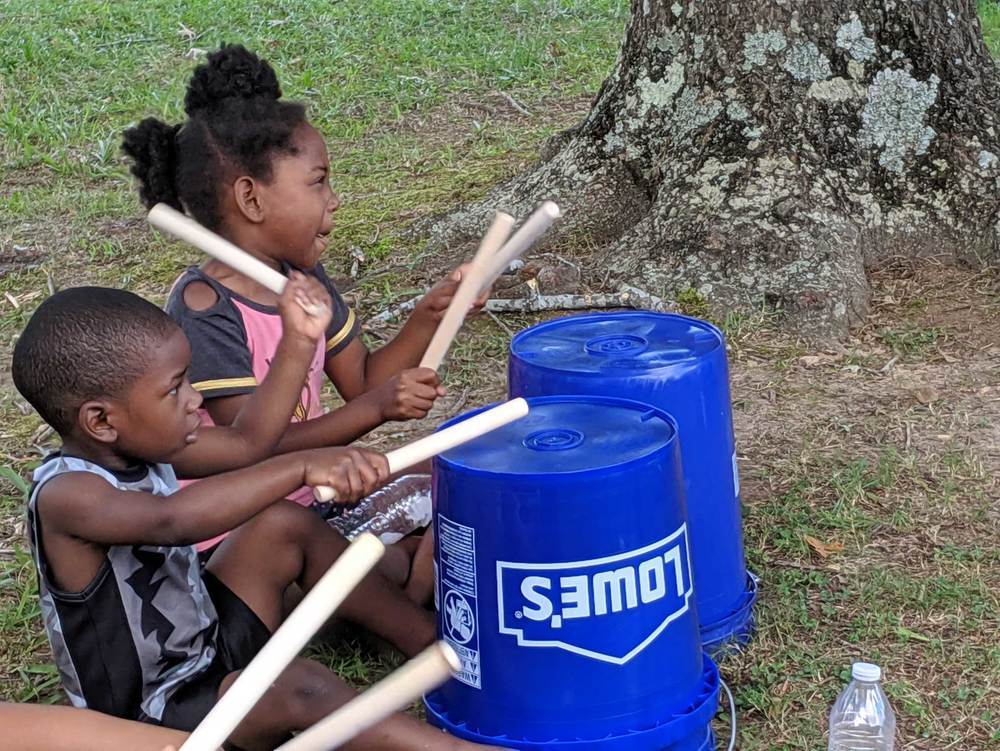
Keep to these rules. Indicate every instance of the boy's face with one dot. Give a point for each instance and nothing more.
(300, 201)
(159, 415)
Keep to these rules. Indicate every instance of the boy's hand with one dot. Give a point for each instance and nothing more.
(352, 472)
(409, 395)
(304, 293)
(431, 307)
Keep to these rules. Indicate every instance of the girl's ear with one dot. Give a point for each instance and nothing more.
(93, 421)
(246, 193)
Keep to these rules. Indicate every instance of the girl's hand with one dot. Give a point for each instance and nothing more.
(352, 472)
(305, 293)
(431, 307)
(409, 395)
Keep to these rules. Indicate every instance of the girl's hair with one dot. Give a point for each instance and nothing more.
(236, 124)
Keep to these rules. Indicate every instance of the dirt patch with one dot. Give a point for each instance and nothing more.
(18, 258)
(461, 117)
(885, 451)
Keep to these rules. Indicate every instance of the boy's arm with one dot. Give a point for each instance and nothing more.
(354, 370)
(86, 507)
(254, 432)
(29, 727)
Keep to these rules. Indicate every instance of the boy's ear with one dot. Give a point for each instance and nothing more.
(246, 193)
(93, 421)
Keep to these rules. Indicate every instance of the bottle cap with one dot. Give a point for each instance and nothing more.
(865, 671)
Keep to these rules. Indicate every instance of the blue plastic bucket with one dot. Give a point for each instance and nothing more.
(564, 583)
(677, 364)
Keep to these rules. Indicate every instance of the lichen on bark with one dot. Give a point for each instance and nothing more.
(763, 152)
(894, 119)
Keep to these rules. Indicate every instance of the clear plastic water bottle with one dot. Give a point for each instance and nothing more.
(861, 719)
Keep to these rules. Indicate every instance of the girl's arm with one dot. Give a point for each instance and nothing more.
(29, 727)
(409, 395)
(354, 370)
(255, 431)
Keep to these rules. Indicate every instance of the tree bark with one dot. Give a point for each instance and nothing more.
(764, 152)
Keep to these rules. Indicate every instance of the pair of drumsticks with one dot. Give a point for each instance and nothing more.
(437, 663)
(492, 258)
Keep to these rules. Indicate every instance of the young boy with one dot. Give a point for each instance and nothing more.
(137, 628)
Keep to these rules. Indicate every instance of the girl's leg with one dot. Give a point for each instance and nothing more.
(29, 727)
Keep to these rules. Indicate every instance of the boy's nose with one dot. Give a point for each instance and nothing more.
(196, 400)
(334, 203)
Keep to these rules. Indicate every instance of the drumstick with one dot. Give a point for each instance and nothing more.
(449, 438)
(523, 239)
(286, 643)
(468, 290)
(183, 227)
(429, 669)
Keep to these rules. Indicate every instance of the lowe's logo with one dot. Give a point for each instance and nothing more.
(608, 609)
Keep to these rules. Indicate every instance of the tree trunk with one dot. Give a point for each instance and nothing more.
(763, 152)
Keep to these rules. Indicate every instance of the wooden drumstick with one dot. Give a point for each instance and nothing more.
(449, 438)
(429, 669)
(524, 238)
(183, 227)
(468, 290)
(315, 609)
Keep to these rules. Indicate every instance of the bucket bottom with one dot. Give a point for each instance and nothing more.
(688, 730)
(734, 631)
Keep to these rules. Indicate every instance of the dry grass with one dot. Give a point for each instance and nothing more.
(885, 451)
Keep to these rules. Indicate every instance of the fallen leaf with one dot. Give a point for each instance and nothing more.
(927, 394)
(825, 549)
(810, 360)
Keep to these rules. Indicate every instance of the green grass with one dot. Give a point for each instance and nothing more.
(74, 74)
(989, 14)
(408, 94)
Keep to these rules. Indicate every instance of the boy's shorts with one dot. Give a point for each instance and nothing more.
(241, 636)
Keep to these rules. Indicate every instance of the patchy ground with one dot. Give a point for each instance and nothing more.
(872, 505)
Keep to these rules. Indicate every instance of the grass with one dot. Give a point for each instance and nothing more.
(989, 14)
(870, 512)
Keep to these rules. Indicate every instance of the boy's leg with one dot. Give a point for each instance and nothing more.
(420, 585)
(306, 693)
(287, 543)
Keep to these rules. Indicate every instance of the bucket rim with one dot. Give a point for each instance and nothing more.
(735, 629)
(680, 725)
(669, 445)
(720, 338)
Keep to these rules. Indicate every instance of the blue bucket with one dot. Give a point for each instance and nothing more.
(564, 583)
(677, 364)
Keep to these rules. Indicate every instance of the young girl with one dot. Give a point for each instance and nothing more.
(251, 167)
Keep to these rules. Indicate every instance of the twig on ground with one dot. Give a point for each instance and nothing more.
(515, 104)
(498, 322)
(629, 297)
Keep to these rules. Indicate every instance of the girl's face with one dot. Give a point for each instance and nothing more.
(300, 202)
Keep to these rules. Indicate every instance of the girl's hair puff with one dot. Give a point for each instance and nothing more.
(236, 124)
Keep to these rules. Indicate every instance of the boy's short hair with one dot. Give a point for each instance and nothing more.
(85, 343)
